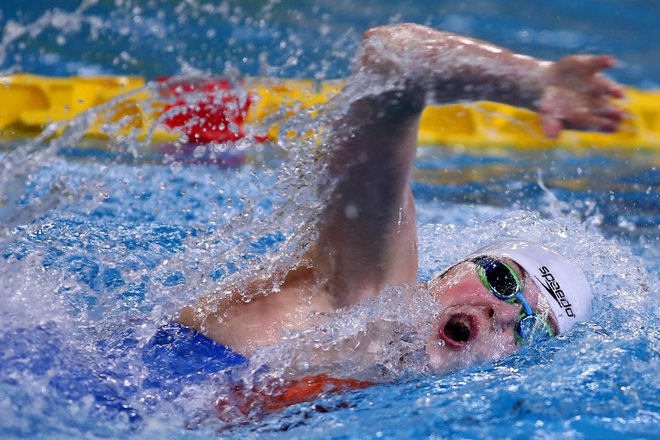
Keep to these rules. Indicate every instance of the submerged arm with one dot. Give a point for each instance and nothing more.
(368, 233)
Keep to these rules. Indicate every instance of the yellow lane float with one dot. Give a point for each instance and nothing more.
(220, 112)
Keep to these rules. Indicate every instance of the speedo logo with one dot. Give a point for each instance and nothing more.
(554, 289)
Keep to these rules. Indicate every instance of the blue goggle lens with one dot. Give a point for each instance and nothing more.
(504, 284)
(532, 328)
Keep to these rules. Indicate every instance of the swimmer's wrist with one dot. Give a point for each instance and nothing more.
(532, 82)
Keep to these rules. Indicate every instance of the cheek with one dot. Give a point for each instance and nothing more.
(466, 292)
(495, 344)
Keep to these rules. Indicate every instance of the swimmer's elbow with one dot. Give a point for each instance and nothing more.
(400, 33)
(389, 49)
(381, 45)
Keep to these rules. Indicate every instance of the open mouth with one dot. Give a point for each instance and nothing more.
(459, 329)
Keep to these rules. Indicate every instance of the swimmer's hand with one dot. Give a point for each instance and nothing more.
(577, 96)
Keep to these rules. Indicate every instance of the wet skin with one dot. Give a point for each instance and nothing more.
(474, 325)
(367, 233)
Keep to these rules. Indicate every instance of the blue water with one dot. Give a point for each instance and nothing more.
(99, 247)
(307, 39)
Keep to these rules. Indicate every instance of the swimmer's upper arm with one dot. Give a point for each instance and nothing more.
(368, 234)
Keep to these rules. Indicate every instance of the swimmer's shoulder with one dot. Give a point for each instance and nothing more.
(256, 314)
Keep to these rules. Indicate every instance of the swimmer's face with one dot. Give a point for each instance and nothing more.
(474, 325)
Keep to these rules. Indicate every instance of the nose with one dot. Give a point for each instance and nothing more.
(505, 314)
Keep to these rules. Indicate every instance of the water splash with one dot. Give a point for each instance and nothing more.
(55, 18)
(97, 251)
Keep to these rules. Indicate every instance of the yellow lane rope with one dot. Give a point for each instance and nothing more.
(31, 102)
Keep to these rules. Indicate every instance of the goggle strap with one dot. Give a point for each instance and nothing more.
(526, 307)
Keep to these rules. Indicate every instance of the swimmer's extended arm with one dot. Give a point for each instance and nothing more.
(368, 234)
(569, 93)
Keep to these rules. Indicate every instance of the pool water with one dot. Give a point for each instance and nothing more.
(99, 246)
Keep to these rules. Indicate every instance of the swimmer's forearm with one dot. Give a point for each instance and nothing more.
(446, 67)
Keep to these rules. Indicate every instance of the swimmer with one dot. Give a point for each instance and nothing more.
(492, 301)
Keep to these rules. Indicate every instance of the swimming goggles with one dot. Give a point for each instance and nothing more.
(503, 282)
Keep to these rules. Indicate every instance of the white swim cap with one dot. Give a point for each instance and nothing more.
(560, 281)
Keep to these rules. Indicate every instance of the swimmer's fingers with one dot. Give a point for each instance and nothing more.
(551, 125)
(606, 120)
(598, 114)
(592, 122)
(596, 63)
(554, 108)
(564, 109)
(584, 73)
(604, 87)
(584, 64)
(577, 96)
(609, 111)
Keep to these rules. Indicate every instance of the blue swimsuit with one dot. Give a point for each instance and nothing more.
(177, 356)
(174, 358)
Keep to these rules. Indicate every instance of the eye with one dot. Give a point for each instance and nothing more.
(491, 312)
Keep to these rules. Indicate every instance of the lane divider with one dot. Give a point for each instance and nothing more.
(214, 110)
